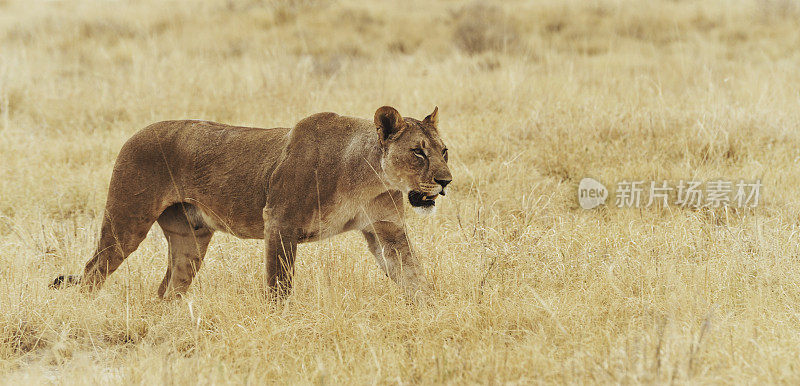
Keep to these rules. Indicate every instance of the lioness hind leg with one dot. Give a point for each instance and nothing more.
(120, 235)
(188, 239)
(185, 258)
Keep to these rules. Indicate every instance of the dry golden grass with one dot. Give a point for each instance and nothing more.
(529, 287)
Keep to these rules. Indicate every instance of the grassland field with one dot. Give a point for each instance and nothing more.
(529, 287)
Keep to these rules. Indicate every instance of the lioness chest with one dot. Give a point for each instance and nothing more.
(341, 216)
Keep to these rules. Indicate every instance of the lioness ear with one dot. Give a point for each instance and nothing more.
(433, 119)
(389, 122)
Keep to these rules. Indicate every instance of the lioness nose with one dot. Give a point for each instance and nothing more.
(442, 182)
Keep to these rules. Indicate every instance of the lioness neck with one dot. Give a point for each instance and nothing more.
(365, 155)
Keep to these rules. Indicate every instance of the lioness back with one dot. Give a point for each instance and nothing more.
(200, 162)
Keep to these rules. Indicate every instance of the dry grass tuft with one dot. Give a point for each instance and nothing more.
(483, 27)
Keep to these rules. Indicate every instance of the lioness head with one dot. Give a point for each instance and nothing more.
(414, 157)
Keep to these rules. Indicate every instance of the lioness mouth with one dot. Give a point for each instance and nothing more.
(416, 198)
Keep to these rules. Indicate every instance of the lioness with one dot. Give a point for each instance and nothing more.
(327, 175)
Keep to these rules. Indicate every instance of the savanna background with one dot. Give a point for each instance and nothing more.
(533, 96)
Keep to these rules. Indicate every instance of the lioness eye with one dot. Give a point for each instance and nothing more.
(444, 154)
(418, 152)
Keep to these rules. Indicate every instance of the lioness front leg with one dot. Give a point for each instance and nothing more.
(389, 244)
(280, 245)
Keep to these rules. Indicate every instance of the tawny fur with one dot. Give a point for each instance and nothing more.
(327, 175)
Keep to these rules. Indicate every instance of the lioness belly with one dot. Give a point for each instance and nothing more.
(241, 227)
